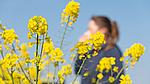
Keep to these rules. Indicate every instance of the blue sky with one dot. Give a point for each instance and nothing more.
(133, 17)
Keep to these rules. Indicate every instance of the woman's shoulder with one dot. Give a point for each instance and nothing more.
(115, 51)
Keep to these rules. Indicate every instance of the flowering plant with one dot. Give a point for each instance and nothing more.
(18, 66)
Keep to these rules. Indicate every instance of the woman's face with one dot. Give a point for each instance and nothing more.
(93, 28)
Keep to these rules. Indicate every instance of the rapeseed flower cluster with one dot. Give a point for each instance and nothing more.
(83, 47)
(134, 52)
(48, 47)
(24, 52)
(65, 71)
(57, 55)
(97, 40)
(105, 64)
(17, 77)
(37, 25)
(9, 36)
(31, 71)
(9, 61)
(70, 13)
(94, 43)
(125, 79)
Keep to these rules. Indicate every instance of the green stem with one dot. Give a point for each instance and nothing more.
(7, 68)
(24, 73)
(97, 82)
(42, 47)
(122, 69)
(0, 65)
(2, 73)
(120, 72)
(79, 71)
(63, 37)
(111, 72)
(48, 80)
(37, 66)
(2, 54)
(61, 44)
(37, 71)
(11, 74)
(48, 76)
(21, 66)
(54, 75)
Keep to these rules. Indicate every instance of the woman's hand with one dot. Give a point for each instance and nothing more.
(85, 36)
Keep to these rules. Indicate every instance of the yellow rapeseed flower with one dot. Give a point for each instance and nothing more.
(48, 47)
(31, 44)
(17, 77)
(135, 52)
(50, 75)
(9, 36)
(83, 48)
(97, 40)
(111, 79)
(0, 47)
(29, 35)
(32, 72)
(100, 76)
(70, 13)
(24, 51)
(86, 73)
(9, 60)
(65, 71)
(56, 55)
(1, 81)
(94, 43)
(106, 63)
(115, 69)
(38, 25)
(125, 79)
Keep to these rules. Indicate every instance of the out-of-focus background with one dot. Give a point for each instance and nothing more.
(133, 17)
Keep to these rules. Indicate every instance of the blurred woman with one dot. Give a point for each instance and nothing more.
(110, 49)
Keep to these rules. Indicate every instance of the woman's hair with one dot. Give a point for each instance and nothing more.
(113, 32)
